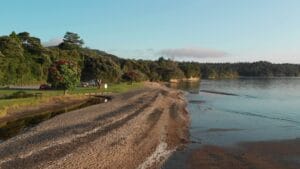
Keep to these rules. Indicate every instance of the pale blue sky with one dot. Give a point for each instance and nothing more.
(202, 30)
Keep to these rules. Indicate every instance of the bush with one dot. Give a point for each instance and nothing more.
(64, 75)
(134, 76)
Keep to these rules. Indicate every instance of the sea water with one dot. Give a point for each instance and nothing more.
(228, 112)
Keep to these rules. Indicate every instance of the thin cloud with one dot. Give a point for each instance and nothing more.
(52, 42)
(191, 53)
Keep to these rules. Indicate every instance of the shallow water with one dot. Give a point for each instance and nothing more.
(259, 109)
(226, 112)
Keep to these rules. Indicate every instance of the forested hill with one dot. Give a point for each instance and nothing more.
(24, 60)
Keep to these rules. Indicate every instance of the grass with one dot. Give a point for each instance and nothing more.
(5, 104)
(15, 103)
(6, 92)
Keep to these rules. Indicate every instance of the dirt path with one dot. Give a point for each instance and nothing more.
(138, 129)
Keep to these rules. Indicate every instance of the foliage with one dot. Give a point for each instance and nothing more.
(258, 69)
(190, 69)
(64, 75)
(168, 69)
(71, 41)
(133, 76)
(103, 68)
(24, 60)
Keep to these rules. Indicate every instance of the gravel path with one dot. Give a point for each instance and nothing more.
(138, 129)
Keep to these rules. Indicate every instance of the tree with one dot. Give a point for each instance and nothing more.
(168, 70)
(2, 68)
(133, 76)
(31, 44)
(13, 56)
(71, 41)
(11, 47)
(64, 75)
(101, 68)
(23, 60)
(190, 69)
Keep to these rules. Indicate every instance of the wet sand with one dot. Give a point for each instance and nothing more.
(252, 155)
(138, 129)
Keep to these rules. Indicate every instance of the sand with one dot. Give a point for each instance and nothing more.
(138, 129)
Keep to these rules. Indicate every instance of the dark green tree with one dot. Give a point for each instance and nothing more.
(168, 70)
(71, 41)
(133, 76)
(190, 69)
(101, 68)
(31, 44)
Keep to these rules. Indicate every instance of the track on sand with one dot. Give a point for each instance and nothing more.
(138, 129)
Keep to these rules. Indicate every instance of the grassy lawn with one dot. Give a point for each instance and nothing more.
(46, 94)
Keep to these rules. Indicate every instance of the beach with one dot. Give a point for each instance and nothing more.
(137, 129)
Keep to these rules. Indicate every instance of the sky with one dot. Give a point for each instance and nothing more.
(190, 30)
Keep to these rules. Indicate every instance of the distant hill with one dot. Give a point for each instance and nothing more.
(24, 60)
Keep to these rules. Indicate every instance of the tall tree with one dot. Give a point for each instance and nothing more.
(71, 41)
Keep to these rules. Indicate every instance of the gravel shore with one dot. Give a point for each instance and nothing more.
(138, 129)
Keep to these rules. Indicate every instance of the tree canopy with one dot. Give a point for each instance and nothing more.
(24, 60)
(71, 41)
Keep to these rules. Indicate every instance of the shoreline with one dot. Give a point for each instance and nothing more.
(145, 126)
(226, 144)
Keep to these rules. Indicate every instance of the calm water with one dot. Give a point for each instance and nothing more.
(257, 109)
(225, 112)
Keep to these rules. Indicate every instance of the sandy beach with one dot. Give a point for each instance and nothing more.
(137, 129)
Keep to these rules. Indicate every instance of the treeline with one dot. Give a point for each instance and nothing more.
(255, 69)
(24, 60)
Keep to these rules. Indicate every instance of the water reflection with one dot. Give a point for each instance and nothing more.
(189, 86)
(261, 109)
